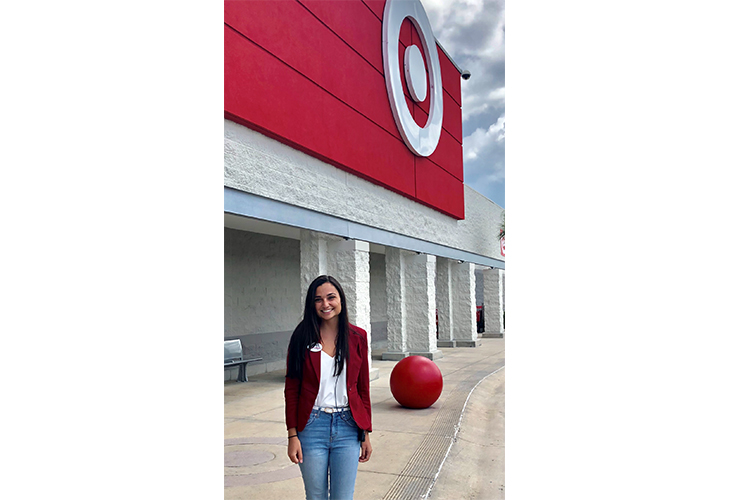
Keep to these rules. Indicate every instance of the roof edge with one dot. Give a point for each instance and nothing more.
(461, 71)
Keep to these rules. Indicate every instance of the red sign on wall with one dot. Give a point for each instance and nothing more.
(309, 74)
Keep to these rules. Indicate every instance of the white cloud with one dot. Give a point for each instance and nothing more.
(496, 94)
(471, 28)
(476, 103)
(484, 161)
(472, 32)
(482, 141)
(473, 105)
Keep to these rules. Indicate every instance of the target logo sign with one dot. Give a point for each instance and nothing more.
(501, 245)
(290, 93)
(421, 141)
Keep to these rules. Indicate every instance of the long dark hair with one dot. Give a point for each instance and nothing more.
(306, 334)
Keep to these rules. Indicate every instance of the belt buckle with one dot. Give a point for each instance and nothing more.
(329, 410)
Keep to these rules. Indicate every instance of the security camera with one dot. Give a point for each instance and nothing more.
(466, 75)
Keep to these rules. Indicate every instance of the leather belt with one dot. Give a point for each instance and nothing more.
(332, 410)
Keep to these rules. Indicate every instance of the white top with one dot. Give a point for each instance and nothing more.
(331, 385)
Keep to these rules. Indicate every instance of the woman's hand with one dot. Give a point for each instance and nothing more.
(366, 449)
(295, 450)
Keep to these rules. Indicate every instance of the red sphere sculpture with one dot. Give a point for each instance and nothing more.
(416, 382)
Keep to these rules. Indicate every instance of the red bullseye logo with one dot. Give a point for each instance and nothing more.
(420, 140)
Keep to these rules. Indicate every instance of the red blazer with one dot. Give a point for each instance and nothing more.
(300, 395)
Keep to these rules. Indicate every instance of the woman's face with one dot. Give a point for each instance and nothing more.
(327, 301)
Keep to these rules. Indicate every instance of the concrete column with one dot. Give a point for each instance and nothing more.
(411, 289)
(464, 305)
(493, 303)
(395, 289)
(420, 285)
(504, 294)
(350, 264)
(444, 300)
(312, 259)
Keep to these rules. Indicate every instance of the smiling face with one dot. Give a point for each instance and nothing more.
(327, 302)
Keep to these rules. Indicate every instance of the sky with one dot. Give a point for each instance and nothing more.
(472, 32)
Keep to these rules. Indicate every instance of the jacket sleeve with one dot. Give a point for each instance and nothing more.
(292, 388)
(363, 380)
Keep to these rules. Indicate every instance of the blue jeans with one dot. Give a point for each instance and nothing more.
(330, 447)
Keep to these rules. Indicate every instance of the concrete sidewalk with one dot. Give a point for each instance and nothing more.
(414, 451)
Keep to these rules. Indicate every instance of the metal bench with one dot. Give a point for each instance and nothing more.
(234, 357)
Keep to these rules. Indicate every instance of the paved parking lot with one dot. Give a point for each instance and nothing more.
(456, 445)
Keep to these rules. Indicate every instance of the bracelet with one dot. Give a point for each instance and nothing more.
(294, 436)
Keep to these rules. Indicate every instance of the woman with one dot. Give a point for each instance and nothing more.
(327, 394)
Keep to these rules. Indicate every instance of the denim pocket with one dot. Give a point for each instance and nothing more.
(347, 417)
(312, 416)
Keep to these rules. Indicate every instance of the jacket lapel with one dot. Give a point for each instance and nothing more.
(315, 359)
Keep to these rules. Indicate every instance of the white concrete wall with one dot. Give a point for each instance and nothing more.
(313, 258)
(350, 262)
(479, 290)
(261, 283)
(261, 296)
(464, 306)
(420, 303)
(378, 301)
(396, 299)
(493, 302)
(265, 167)
(444, 299)
(378, 308)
